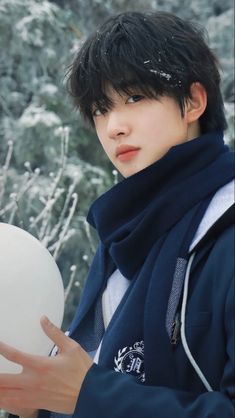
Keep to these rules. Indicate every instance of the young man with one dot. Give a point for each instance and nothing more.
(153, 334)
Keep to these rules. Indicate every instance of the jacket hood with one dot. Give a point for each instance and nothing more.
(218, 216)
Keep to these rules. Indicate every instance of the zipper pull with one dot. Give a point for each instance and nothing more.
(175, 330)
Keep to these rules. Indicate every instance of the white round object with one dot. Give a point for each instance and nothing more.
(30, 286)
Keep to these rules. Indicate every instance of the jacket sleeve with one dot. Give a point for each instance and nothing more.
(106, 393)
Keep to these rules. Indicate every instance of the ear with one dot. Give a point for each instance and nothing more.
(196, 104)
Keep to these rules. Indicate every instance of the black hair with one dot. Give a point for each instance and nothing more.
(158, 53)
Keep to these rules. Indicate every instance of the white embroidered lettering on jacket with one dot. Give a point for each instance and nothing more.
(131, 360)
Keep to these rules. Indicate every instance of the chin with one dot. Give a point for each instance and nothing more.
(129, 173)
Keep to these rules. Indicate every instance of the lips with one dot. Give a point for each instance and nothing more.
(126, 152)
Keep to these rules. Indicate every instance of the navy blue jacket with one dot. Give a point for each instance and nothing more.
(210, 334)
(150, 247)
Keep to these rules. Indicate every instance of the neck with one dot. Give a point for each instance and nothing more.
(194, 130)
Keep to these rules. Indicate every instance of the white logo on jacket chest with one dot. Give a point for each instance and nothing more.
(131, 360)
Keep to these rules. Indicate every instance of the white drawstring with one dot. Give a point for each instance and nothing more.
(182, 329)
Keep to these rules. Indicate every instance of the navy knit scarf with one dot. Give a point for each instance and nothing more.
(146, 224)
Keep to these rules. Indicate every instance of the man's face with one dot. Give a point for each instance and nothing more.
(138, 131)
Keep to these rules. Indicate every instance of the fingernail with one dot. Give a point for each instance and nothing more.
(45, 320)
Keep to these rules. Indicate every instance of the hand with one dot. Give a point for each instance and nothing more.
(27, 414)
(51, 383)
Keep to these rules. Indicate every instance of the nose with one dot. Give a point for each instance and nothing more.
(117, 125)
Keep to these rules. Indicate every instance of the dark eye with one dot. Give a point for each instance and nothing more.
(98, 111)
(135, 98)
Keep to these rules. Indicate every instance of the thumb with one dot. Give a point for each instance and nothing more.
(55, 334)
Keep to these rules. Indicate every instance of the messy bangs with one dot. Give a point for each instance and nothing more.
(118, 58)
(154, 54)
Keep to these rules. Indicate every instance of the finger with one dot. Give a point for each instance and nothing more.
(19, 357)
(56, 335)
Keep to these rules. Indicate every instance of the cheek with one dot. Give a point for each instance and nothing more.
(155, 119)
(105, 143)
(100, 134)
(168, 124)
